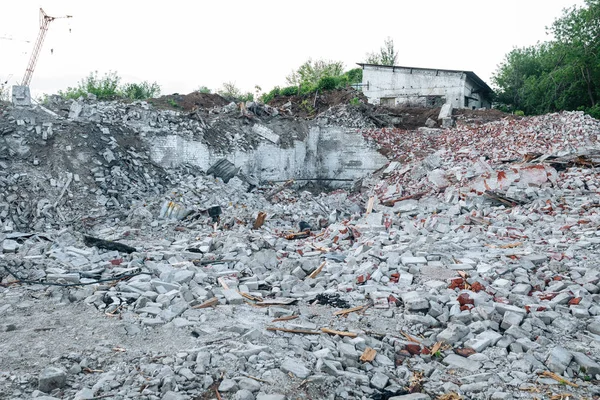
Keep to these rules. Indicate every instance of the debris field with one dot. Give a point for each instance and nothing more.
(466, 268)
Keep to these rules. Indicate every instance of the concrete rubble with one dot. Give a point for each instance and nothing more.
(465, 267)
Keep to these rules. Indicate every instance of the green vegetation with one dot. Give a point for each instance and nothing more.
(108, 87)
(231, 92)
(172, 103)
(355, 101)
(315, 76)
(387, 54)
(203, 89)
(562, 74)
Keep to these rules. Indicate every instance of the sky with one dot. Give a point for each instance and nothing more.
(183, 45)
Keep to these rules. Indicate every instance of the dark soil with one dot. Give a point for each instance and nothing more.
(189, 102)
(310, 105)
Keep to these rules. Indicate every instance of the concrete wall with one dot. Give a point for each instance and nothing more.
(413, 86)
(327, 152)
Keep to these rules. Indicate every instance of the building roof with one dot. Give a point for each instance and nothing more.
(472, 75)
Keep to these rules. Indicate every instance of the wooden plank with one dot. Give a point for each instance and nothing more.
(208, 303)
(368, 355)
(260, 220)
(370, 205)
(288, 318)
(317, 271)
(249, 296)
(222, 283)
(302, 331)
(348, 310)
(340, 333)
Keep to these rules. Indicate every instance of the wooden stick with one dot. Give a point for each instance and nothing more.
(370, 205)
(222, 283)
(288, 318)
(559, 378)
(340, 333)
(304, 331)
(348, 310)
(410, 338)
(260, 220)
(317, 271)
(207, 303)
(249, 296)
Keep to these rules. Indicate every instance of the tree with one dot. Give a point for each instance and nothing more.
(387, 54)
(310, 73)
(561, 74)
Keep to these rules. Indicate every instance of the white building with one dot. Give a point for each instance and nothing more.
(395, 85)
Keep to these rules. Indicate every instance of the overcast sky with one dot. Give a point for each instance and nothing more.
(186, 44)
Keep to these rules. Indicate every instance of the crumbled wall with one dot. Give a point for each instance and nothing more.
(327, 152)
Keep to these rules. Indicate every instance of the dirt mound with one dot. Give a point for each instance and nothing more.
(189, 102)
(310, 105)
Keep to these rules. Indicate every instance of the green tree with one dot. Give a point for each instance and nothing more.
(387, 54)
(310, 73)
(562, 74)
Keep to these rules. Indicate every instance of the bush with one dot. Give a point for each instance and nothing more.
(594, 111)
(203, 89)
(267, 97)
(327, 83)
(519, 113)
(141, 91)
(107, 88)
(289, 91)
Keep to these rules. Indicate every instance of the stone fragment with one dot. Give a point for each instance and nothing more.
(228, 385)
(379, 380)
(558, 360)
(249, 384)
(456, 361)
(295, 367)
(232, 296)
(51, 378)
(586, 364)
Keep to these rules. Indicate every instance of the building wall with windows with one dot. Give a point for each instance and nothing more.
(425, 87)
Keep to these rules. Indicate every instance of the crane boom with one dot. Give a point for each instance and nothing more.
(45, 20)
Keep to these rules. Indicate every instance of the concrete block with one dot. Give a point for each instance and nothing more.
(21, 96)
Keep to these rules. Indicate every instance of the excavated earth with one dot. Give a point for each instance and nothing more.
(465, 268)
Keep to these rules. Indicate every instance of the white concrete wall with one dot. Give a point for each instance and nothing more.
(412, 86)
(328, 152)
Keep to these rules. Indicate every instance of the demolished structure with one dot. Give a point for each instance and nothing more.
(455, 263)
(426, 87)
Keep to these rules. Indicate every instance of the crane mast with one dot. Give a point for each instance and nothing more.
(45, 20)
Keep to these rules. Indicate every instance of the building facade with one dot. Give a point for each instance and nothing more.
(425, 87)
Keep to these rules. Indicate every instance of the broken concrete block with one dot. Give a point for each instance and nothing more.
(51, 378)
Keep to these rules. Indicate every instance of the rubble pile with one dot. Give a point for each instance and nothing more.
(484, 285)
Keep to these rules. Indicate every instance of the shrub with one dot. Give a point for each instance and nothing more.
(141, 91)
(107, 88)
(594, 111)
(203, 89)
(267, 97)
(327, 83)
(289, 91)
(519, 113)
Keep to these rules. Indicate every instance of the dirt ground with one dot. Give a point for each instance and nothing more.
(189, 102)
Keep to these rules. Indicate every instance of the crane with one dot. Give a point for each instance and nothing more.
(45, 20)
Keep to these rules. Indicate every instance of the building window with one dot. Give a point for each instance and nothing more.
(466, 102)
